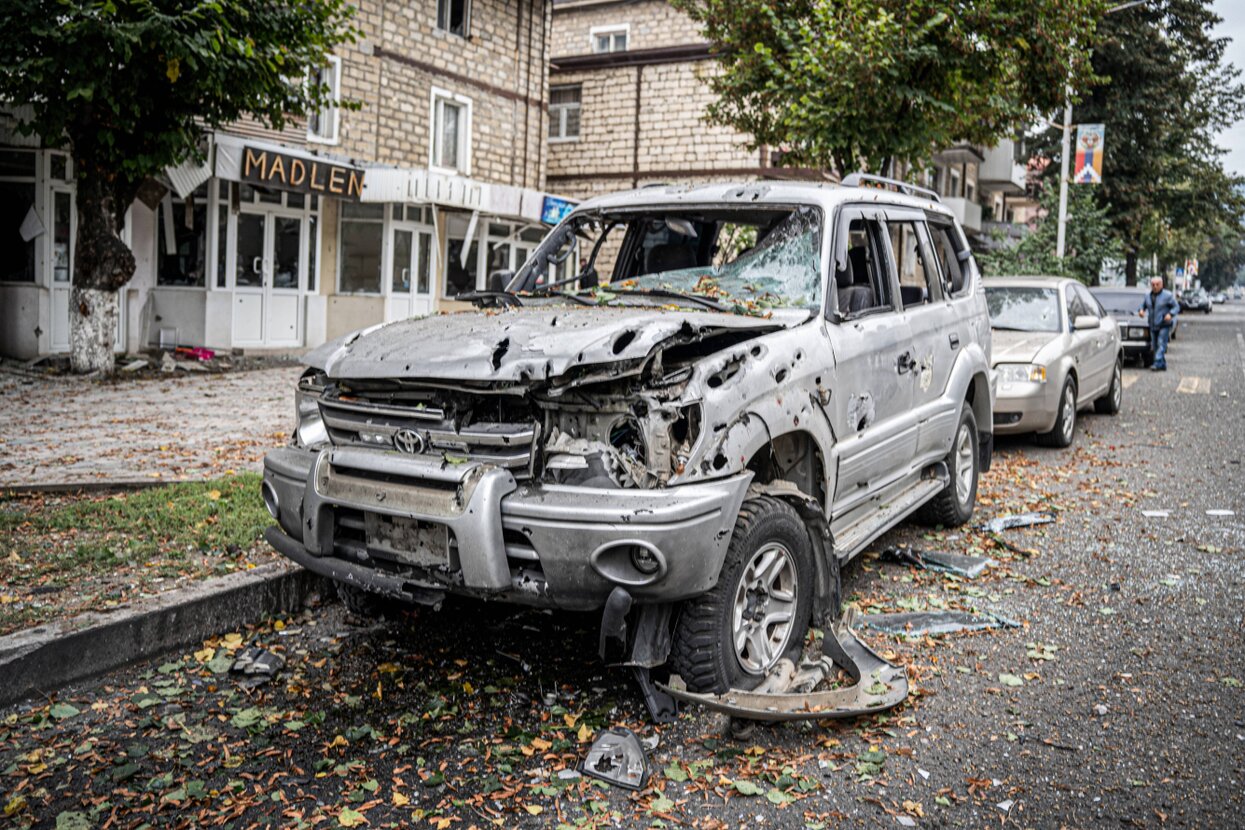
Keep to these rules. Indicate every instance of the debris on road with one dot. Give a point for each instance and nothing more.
(617, 758)
(788, 692)
(257, 666)
(936, 622)
(1155, 514)
(969, 567)
(1220, 513)
(1010, 522)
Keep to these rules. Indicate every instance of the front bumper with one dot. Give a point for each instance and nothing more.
(544, 544)
(1021, 407)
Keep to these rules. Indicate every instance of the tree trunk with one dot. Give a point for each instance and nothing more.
(1130, 267)
(102, 265)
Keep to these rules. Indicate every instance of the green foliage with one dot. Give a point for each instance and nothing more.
(1088, 242)
(843, 84)
(130, 85)
(1167, 94)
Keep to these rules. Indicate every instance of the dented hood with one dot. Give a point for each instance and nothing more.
(1018, 346)
(520, 344)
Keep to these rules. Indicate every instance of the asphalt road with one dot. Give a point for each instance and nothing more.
(1119, 701)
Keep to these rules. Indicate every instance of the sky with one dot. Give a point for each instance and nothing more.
(1233, 26)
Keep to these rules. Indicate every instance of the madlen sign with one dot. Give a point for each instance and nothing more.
(272, 169)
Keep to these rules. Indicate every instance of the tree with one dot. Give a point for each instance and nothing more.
(1165, 94)
(842, 84)
(130, 86)
(1089, 241)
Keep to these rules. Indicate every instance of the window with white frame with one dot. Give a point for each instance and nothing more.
(322, 125)
(564, 105)
(360, 238)
(609, 38)
(454, 16)
(451, 132)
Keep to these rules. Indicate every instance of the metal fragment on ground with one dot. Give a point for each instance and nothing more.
(616, 757)
(787, 692)
(257, 666)
(1155, 514)
(969, 567)
(935, 622)
(1001, 523)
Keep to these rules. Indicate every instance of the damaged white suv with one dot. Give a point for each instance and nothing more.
(686, 410)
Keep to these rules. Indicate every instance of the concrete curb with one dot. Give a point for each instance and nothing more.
(103, 486)
(47, 657)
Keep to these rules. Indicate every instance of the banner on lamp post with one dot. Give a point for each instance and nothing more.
(1089, 141)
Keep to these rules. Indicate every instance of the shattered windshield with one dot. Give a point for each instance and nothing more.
(745, 260)
(1023, 308)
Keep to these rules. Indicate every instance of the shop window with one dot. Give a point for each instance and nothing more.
(564, 106)
(313, 247)
(451, 132)
(181, 240)
(17, 199)
(222, 243)
(322, 125)
(362, 235)
(17, 163)
(609, 38)
(460, 276)
(454, 16)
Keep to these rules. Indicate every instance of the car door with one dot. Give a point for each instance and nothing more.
(935, 339)
(1081, 345)
(1099, 344)
(871, 392)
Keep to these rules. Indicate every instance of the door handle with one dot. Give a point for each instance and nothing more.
(954, 339)
(906, 363)
(257, 265)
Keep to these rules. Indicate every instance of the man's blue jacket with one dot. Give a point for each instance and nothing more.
(1157, 308)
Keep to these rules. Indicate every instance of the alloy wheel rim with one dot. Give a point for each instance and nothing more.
(1116, 392)
(964, 463)
(763, 615)
(1069, 414)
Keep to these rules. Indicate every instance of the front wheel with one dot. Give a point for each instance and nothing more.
(1109, 404)
(953, 506)
(758, 612)
(1062, 433)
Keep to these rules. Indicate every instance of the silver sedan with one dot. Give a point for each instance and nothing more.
(1056, 352)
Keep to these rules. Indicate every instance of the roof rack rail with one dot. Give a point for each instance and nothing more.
(858, 179)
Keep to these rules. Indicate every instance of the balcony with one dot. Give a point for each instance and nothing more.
(969, 213)
(1001, 171)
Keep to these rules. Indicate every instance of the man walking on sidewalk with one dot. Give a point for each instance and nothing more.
(1160, 309)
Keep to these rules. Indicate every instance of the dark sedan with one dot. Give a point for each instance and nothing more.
(1123, 303)
(1196, 300)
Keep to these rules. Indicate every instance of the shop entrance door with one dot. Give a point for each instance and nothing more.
(64, 225)
(270, 276)
(410, 283)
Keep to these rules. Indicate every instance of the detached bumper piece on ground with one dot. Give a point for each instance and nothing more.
(790, 693)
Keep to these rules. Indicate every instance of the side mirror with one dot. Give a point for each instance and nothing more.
(1085, 321)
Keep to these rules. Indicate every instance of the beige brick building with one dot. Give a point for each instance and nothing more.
(284, 240)
(631, 75)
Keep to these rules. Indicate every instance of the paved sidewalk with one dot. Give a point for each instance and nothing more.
(58, 430)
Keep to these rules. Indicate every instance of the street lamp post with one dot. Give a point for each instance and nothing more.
(1061, 232)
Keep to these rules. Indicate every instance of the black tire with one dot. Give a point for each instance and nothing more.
(703, 652)
(1109, 403)
(365, 603)
(953, 506)
(1063, 433)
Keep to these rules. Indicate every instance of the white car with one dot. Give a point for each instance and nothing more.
(1056, 352)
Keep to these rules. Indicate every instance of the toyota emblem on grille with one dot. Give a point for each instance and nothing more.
(408, 440)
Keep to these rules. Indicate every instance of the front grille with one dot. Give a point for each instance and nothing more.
(483, 431)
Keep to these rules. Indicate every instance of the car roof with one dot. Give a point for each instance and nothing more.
(1026, 282)
(827, 195)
